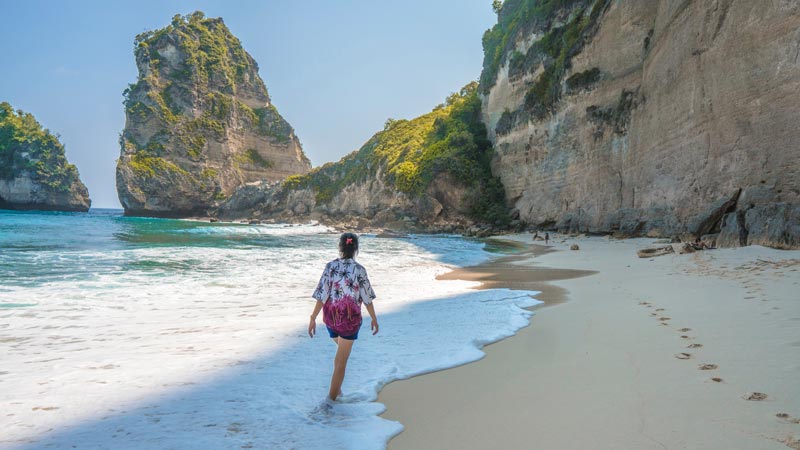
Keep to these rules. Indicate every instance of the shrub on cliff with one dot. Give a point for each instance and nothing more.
(514, 16)
(450, 139)
(27, 147)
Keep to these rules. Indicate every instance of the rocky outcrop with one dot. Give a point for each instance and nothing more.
(429, 173)
(34, 172)
(656, 118)
(199, 123)
(367, 204)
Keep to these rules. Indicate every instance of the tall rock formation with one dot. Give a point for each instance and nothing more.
(649, 117)
(431, 173)
(199, 123)
(34, 172)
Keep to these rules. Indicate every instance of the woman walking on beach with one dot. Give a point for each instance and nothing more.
(342, 289)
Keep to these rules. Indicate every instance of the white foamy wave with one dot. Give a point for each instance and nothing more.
(267, 229)
(206, 347)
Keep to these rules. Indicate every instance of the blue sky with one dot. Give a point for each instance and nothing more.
(335, 69)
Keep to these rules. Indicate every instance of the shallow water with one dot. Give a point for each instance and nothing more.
(123, 332)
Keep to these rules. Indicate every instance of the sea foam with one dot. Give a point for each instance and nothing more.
(151, 345)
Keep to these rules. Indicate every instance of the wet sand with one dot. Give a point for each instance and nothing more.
(520, 271)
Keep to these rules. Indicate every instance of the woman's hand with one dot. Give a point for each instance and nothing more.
(374, 327)
(312, 327)
(371, 310)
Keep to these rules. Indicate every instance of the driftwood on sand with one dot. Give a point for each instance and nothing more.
(665, 250)
(654, 251)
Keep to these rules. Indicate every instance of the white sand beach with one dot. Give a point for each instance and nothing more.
(696, 351)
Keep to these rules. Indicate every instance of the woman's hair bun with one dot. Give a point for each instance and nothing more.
(348, 245)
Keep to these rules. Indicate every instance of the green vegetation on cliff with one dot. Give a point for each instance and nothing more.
(559, 44)
(27, 147)
(211, 50)
(563, 27)
(514, 16)
(251, 156)
(198, 55)
(410, 154)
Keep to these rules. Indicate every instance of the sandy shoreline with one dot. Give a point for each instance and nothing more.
(520, 271)
(669, 352)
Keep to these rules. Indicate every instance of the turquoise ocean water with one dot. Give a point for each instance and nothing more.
(122, 332)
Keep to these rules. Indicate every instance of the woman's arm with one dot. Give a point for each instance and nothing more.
(374, 326)
(312, 325)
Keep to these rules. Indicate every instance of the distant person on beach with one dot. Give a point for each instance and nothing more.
(342, 289)
(546, 238)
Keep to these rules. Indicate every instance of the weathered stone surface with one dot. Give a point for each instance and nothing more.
(710, 239)
(733, 232)
(370, 203)
(34, 171)
(694, 101)
(199, 123)
(25, 192)
(709, 220)
(774, 225)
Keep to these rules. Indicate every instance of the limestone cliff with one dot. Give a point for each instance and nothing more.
(34, 172)
(199, 123)
(648, 117)
(431, 172)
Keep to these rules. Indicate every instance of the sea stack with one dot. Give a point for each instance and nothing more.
(34, 172)
(199, 123)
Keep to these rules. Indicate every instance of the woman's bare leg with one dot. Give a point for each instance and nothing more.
(339, 367)
(336, 343)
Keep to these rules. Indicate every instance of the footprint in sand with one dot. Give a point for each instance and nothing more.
(684, 330)
(685, 337)
(659, 309)
(716, 379)
(787, 418)
(707, 366)
(664, 319)
(644, 303)
(694, 345)
(653, 314)
(683, 355)
(755, 396)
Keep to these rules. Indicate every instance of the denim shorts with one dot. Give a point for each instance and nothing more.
(335, 335)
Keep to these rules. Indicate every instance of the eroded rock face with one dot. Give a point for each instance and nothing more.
(34, 172)
(371, 203)
(667, 111)
(199, 123)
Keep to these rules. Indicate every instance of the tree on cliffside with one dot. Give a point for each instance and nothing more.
(30, 152)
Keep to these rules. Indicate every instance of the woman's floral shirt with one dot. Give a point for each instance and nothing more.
(344, 278)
